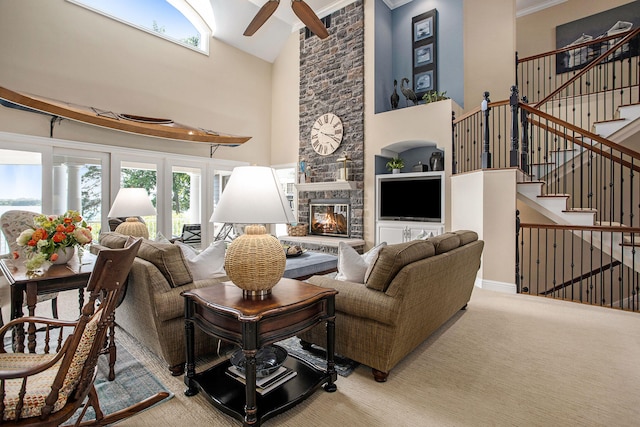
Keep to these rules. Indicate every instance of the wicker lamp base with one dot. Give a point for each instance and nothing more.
(255, 261)
(133, 227)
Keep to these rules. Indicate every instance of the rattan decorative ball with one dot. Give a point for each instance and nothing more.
(133, 227)
(255, 261)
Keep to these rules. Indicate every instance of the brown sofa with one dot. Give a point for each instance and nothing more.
(413, 289)
(152, 309)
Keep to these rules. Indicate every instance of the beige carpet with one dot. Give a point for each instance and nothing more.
(508, 360)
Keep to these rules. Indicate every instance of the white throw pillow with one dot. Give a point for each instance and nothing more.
(424, 235)
(207, 264)
(161, 239)
(352, 266)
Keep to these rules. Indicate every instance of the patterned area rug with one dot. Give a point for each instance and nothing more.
(317, 356)
(133, 383)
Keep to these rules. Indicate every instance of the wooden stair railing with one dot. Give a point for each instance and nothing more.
(600, 173)
(561, 261)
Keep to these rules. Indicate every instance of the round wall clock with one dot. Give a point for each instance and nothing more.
(326, 134)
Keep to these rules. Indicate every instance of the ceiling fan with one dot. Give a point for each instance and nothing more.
(300, 8)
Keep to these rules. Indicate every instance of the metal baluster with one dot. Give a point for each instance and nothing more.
(486, 155)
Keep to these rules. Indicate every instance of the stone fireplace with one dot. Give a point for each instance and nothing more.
(329, 217)
(332, 81)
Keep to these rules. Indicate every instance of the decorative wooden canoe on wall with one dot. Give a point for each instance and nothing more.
(149, 126)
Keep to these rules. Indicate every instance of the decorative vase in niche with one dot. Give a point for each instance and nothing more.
(395, 170)
(436, 161)
(64, 254)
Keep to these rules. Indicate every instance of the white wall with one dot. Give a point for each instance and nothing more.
(485, 202)
(59, 50)
(285, 105)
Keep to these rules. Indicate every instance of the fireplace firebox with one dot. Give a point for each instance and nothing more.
(329, 218)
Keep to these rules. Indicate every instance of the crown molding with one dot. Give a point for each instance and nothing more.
(392, 4)
(337, 5)
(536, 7)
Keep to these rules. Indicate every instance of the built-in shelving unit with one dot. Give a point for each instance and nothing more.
(404, 227)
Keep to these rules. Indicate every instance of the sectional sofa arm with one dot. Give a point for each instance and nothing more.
(357, 300)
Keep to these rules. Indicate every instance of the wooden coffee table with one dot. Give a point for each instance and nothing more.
(221, 311)
(72, 275)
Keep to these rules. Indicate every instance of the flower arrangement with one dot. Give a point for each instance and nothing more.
(51, 233)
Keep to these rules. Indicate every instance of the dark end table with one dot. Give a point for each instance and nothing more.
(222, 311)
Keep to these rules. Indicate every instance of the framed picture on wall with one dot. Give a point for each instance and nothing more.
(424, 81)
(585, 34)
(424, 28)
(423, 55)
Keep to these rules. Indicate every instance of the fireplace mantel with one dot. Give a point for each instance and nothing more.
(327, 186)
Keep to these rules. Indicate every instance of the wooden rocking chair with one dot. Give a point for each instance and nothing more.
(47, 389)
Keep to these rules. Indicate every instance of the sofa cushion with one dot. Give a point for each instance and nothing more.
(466, 236)
(392, 258)
(168, 259)
(113, 240)
(445, 242)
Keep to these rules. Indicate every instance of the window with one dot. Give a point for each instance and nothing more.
(287, 178)
(173, 20)
(50, 175)
(142, 175)
(79, 183)
(185, 198)
(23, 170)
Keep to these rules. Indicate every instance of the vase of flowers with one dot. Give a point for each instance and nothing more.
(64, 255)
(53, 239)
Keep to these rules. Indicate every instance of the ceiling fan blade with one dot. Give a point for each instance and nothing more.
(309, 18)
(261, 17)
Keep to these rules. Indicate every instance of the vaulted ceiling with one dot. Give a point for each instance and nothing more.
(233, 16)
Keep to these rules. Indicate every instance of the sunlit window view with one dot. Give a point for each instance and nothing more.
(158, 17)
(24, 171)
(185, 205)
(141, 175)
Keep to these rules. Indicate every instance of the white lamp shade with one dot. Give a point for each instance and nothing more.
(253, 195)
(132, 202)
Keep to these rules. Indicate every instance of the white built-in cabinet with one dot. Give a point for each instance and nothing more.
(399, 231)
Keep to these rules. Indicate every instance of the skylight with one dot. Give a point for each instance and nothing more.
(173, 20)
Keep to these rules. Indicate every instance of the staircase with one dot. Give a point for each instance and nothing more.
(569, 136)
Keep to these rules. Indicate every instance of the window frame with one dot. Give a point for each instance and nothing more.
(163, 160)
(183, 7)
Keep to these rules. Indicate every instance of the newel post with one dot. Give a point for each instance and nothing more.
(524, 153)
(513, 102)
(454, 170)
(486, 155)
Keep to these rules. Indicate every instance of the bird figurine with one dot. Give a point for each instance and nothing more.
(408, 93)
(395, 98)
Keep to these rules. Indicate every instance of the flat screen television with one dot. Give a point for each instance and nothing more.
(411, 198)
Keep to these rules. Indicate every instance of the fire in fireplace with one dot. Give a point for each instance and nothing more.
(329, 219)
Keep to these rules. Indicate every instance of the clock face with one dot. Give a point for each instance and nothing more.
(326, 134)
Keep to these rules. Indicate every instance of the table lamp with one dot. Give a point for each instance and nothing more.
(131, 203)
(255, 261)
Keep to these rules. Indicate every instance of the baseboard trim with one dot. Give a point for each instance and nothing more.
(491, 285)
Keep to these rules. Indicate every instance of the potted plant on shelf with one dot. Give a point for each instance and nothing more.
(395, 164)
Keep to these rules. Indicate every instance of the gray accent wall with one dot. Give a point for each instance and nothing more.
(394, 45)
